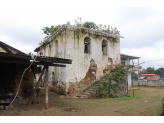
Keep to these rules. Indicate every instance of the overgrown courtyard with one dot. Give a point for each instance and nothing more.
(147, 102)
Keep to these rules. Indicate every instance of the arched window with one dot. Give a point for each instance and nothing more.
(104, 47)
(56, 48)
(87, 42)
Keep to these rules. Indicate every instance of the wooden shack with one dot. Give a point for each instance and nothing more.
(12, 65)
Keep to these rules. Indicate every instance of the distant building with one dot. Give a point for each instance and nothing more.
(152, 76)
(125, 60)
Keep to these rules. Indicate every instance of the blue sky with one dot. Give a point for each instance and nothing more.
(142, 27)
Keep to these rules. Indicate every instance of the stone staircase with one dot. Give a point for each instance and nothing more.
(91, 89)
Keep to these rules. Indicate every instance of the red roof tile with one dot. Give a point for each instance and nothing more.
(148, 74)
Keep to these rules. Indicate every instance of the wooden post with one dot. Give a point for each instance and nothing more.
(132, 78)
(46, 87)
(138, 71)
(40, 78)
(163, 106)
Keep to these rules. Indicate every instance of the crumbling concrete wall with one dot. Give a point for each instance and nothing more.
(70, 45)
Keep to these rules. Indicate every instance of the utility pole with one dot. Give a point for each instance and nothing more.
(138, 71)
(132, 79)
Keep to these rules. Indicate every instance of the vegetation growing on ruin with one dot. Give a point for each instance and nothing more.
(78, 22)
(117, 75)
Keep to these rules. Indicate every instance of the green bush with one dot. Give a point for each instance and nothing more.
(118, 76)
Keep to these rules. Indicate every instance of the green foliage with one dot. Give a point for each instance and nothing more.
(68, 23)
(34, 84)
(50, 30)
(40, 43)
(134, 75)
(160, 71)
(107, 87)
(78, 22)
(29, 53)
(90, 25)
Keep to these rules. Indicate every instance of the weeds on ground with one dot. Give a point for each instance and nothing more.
(156, 111)
(129, 97)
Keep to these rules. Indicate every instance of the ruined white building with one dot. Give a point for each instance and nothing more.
(93, 54)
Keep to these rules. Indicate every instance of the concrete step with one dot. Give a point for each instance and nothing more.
(97, 84)
(86, 93)
(83, 95)
(103, 79)
(88, 90)
(91, 89)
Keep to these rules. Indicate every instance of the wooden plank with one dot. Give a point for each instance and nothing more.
(46, 94)
(40, 78)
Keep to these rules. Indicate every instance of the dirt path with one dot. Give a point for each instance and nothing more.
(149, 103)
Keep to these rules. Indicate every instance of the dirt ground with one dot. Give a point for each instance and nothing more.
(146, 102)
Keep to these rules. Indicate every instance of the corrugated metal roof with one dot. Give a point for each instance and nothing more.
(128, 56)
(20, 55)
(142, 77)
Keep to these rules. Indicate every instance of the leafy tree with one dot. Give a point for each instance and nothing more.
(134, 75)
(160, 71)
(68, 23)
(29, 53)
(150, 70)
(90, 25)
(50, 30)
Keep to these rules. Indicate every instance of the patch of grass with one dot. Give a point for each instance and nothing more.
(156, 111)
(150, 87)
(129, 97)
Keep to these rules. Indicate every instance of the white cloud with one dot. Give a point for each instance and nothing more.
(14, 43)
(142, 27)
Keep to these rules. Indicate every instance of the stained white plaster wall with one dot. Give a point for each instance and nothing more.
(71, 46)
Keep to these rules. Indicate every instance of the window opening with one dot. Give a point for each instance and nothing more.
(104, 48)
(87, 45)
